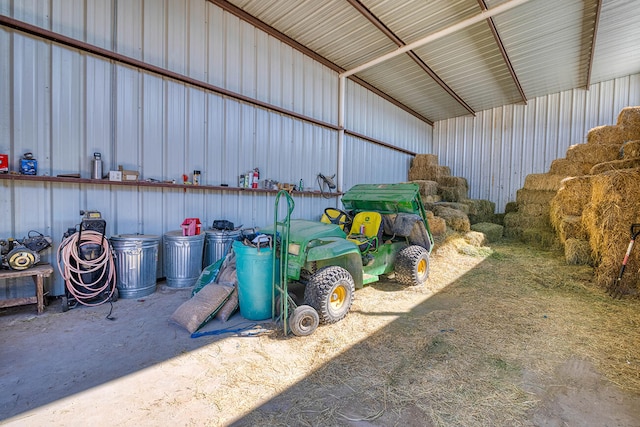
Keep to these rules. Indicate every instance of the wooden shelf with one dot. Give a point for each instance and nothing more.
(152, 184)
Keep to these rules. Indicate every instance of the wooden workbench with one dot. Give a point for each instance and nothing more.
(38, 273)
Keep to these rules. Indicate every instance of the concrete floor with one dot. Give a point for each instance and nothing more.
(54, 356)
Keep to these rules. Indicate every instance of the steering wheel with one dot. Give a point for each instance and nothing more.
(335, 215)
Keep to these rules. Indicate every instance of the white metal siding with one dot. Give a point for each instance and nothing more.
(64, 105)
(498, 148)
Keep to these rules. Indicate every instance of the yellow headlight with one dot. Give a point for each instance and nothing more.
(294, 249)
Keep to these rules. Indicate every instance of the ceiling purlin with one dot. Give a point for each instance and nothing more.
(593, 42)
(391, 35)
(233, 9)
(503, 51)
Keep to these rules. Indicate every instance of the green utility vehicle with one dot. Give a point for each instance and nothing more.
(383, 229)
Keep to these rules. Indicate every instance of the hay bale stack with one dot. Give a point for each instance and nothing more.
(427, 188)
(614, 206)
(543, 182)
(455, 219)
(428, 172)
(577, 252)
(493, 232)
(615, 165)
(607, 134)
(515, 223)
(570, 167)
(631, 150)
(422, 160)
(437, 225)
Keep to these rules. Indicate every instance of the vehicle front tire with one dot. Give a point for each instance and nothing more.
(330, 291)
(412, 266)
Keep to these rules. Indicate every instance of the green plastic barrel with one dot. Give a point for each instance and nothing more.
(255, 280)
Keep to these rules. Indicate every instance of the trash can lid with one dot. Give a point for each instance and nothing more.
(135, 237)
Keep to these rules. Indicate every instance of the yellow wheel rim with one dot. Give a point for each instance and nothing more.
(422, 267)
(338, 297)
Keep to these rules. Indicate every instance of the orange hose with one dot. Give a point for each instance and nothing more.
(68, 251)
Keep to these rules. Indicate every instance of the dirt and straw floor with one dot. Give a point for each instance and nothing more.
(500, 336)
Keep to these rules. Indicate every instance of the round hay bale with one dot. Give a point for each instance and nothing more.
(631, 149)
(524, 196)
(568, 167)
(421, 160)
(615, 165)
(493, 232)
(607, 134)
(543, 181)
(475, 238)
(577, 252)
(594, 153)
(614, 206)
(455, 219)
(437, 225)
(453, 194)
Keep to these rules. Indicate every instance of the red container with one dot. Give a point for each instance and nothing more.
(4, 163)
(191, 227)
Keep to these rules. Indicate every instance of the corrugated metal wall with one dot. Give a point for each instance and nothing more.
(498, 148)
(63, 105)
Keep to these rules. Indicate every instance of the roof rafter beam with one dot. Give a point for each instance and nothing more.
(437, 35)
(234, 10)
(593, 42)
(390, 34)
(503, 51)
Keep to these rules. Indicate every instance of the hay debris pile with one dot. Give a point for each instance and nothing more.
(447, 197)
(592, 211)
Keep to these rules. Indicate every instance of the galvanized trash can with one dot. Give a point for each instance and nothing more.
(136, 260)
(217, 244)
(182, 258)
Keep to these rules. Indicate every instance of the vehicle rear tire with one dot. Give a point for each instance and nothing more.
(304, 321)
(330, 291)
(412, 266)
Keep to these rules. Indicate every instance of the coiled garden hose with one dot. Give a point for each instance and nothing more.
(72, 266)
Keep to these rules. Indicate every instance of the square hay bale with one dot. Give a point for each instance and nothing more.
(631, 149)
(594, 153)
(570, 199)
(629, 117)
(428, 172)
(534, 209)
(543, 181)
(577, 252)
(615, 165)
(432, 199)
(455, 219)
(437, 225)
(454, 205)
(524, 196)
(427, 188)
(570, 227)
(518, 220)
(512, 206)
(421, 160)
(453, 181)
(453, 194)
(607, 134)
(614, 206)
(568, 167)
(493, 232)
(541, 237)
(480, 210)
